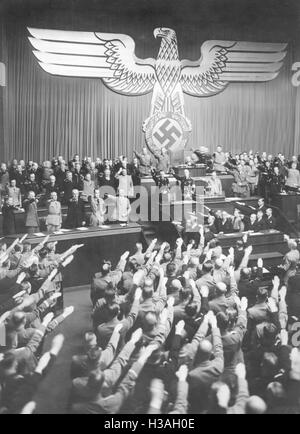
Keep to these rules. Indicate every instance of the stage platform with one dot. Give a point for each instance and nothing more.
(99, 243)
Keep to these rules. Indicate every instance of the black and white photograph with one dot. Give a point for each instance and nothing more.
(149, 209)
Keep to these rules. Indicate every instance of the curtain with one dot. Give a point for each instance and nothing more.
(46, 116)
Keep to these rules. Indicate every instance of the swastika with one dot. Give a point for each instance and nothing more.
(167, 134)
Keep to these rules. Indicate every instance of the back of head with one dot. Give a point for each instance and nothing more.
(110, 294)
(113, 311)
(222, 321)
(221, 288)
(171, 269)
(245, 273)
(207, 267)
(256, 405)
(185, 293)
(205, 350)
(148, 289)
(18, 248)
(149, 321)
(262, 295)
(191, 309)
(175, 286)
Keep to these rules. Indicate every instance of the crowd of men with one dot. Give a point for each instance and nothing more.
(191, 330)
(31, 307)
(254, 173)
(28, 186)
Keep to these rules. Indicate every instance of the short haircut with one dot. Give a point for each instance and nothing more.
(262, 294)
(207, 267)
(171, 268)
(191, 309)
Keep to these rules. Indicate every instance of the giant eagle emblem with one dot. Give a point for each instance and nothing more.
(112, 58)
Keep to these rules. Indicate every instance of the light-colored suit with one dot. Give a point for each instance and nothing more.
(54, 219)
(15, 194)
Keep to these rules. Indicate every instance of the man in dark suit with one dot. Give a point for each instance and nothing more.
(261, 205)
(76, 212)
(270, 219)
(32, 185)
(225, 225)
(51, 187)
(252, 226)
(260, 221)
(68, 187)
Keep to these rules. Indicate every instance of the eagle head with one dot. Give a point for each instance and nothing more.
(165, 33)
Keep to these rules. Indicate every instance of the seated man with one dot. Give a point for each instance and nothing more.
(225, 225)
(260, 221)
(270, 219)
(252, 225)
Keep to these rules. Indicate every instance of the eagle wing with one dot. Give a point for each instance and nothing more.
(96, 55)
(222, 62)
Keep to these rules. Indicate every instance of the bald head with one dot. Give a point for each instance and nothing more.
(205, 350)
(221, 288)
(255, 405)
(176, 285)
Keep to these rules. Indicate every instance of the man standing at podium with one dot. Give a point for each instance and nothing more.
(188, 186)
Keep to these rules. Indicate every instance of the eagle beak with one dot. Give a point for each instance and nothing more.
(157, 32)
